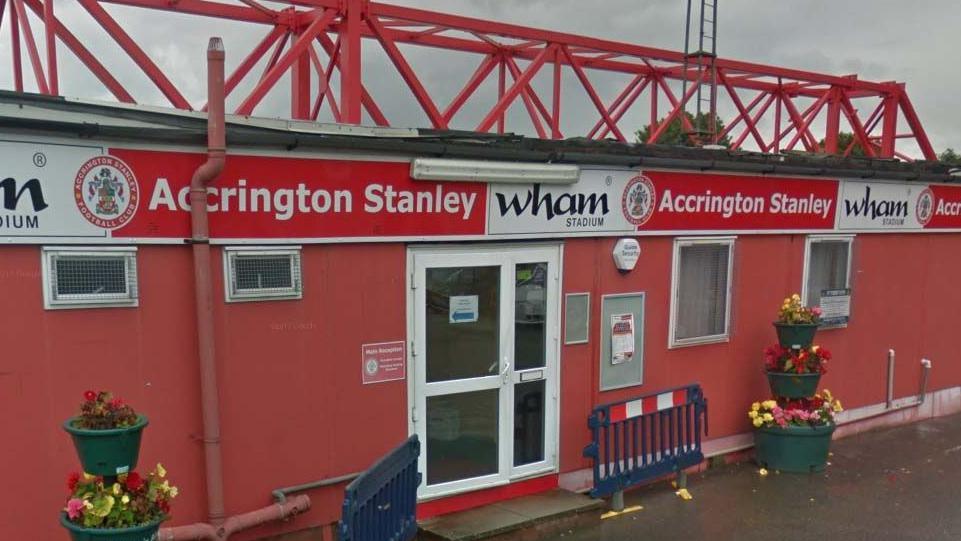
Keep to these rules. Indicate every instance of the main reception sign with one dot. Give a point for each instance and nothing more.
(54, 193)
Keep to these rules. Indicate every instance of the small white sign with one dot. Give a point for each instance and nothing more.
(835, 306)
(622, 338)
(463, 309)
(626, 254)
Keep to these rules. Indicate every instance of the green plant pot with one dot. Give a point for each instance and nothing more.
(791, 385)
(795, 336)
(794, 449)
(107, 452)
(147, 532)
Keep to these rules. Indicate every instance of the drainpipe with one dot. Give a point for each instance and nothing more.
(200, 242)
(218, 528)
(237, 523)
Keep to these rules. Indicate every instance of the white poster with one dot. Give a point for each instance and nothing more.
(884, 206)
(622, 338)
(463, 309)
(835, 306)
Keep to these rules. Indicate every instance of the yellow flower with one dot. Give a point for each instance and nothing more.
(769, 404)
(814, 349)
(758, 422)
(767, 417)
(87, 476)
(755, 406)
(795, 297)
(173, 492)
(752, 414)
(116, 488)
(161, 471)
(827, 395)
(837, 406)
(125, 499)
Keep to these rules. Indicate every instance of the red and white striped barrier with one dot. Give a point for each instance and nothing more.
(642, 406)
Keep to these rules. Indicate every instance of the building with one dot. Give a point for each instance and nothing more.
(374, 283)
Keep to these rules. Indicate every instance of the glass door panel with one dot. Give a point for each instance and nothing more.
(530, 315)
(529, 422)
(463, 322)
(462, 435)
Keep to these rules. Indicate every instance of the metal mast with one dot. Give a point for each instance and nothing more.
(700, 68)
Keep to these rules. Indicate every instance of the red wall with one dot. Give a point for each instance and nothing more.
(293, 406)
(904, 298)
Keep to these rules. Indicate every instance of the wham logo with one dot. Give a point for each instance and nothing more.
(891, 211)
(578, 209)
(21, 216)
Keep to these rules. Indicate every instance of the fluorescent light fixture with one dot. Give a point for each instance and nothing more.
(493, 172)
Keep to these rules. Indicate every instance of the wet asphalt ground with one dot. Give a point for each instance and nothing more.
(892, 484)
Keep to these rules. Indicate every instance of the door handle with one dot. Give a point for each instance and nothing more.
(505, 375)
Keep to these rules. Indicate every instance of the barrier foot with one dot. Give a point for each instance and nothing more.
(617, 506)
(681, 479)
(617, 501)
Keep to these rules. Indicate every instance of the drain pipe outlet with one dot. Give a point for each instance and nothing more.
(202, 177)
(238, 523)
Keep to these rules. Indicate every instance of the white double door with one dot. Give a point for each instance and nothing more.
(484, 364)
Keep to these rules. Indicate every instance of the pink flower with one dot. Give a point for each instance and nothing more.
(75, 508)
(816, 311)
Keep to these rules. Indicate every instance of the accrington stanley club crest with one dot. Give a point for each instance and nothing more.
(638, 200)
(106, 192)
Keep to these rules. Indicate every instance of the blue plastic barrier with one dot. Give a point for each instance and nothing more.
(381, 504)
(644, 438)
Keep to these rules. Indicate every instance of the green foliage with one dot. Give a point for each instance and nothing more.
(844, 140)
(950, 156)
(675, 134)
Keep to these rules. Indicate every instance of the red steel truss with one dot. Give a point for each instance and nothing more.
(767, 108)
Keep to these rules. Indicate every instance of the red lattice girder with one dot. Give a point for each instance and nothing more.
(770, 108)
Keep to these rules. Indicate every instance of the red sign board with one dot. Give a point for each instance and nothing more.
(702, 202)
(300, 198)
(384, 361)
(946, 208)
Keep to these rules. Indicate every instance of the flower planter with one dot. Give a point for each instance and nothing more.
(799, 335)
(794, 449)
(791, 385)
(107, 452)
(147, 532)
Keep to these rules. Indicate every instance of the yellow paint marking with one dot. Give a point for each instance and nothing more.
(626, 510)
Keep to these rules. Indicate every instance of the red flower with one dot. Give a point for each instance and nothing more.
(116, 403)
(72, 481)
(134, 481)
(90, 396)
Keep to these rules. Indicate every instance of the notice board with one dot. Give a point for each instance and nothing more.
(618, 372)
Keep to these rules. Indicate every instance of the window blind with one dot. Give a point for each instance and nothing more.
(702, 291)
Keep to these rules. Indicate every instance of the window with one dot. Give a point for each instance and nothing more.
(827, 265)
(701, 291)
(89, 277)
(262, 274)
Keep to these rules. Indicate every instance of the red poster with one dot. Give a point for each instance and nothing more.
(711, 202)
(384, 361)
(299, 198)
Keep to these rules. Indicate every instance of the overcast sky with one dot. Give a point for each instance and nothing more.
(918, 43)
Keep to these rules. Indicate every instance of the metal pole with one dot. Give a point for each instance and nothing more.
(890, 397)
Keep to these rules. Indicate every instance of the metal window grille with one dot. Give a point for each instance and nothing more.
(701, 293)
(263, 274)
(90, 278)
